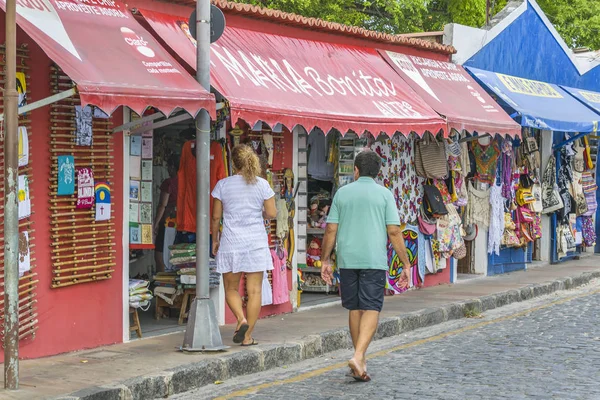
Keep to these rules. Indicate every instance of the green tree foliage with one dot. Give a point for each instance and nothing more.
(392, 16)
(578, 21)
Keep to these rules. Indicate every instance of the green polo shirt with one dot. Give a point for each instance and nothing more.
(363, 210)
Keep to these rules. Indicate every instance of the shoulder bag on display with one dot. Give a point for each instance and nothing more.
(427, 225)
(587, 155)
(579, 158)
(430, 158)
(551, 199)
(433, 203)
(525, 196)
(530, 151)
(537, 205)
(460, 252)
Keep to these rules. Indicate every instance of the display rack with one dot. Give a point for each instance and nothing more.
(28, 313)
(83, 249)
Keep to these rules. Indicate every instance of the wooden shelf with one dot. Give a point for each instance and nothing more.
(310, 269)
(315, 231)
(317, 289)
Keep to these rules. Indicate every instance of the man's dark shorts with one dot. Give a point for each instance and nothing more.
(362, 289)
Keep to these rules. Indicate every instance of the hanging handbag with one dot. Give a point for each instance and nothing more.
(579, 158)
(581, 204)
(427, 226)
(460, 252)
(551, 199)
(434, 206)
(537, 206)
(526, 215)
(431, 158)
(587, 155)
(525, 196)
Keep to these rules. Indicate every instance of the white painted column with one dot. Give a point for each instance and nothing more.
(545, 152)
(217, 295)
(125, 223)
(480, 254)
(301, 174)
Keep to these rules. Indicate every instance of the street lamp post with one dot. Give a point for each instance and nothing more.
(11, 216)
(202, 332)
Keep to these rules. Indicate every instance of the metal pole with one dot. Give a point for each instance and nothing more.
(11, 216)
(487, 12)
(202, 152)
(202, 332)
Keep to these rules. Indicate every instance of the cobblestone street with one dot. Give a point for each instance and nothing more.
(547, 348)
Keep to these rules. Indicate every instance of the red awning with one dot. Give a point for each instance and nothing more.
(277, 79)
(453, 93)
(111, 58)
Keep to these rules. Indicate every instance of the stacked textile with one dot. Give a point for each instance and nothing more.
(187, 275)
(183, 258)
(167, 287)
(139, 294)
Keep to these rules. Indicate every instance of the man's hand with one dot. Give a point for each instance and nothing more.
(327, 272)
(404, 278)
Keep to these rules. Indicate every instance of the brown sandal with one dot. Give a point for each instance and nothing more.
(364, 377)
(252, 343)
(240, 334)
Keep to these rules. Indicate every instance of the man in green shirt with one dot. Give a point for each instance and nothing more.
(362, 217)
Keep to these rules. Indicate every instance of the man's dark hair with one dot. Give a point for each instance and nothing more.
(173, 161)
(368, 163)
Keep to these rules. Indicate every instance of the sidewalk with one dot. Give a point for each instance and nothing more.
(153, 367)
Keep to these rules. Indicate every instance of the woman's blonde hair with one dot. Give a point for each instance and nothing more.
(246, 162)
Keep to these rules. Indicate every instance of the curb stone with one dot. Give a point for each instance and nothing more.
(194, 375)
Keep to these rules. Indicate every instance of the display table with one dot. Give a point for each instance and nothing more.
(188, 295)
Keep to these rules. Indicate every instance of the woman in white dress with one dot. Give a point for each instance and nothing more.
(243, 201)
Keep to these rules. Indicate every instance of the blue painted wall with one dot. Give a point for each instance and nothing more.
(509, 260)
(527, 48)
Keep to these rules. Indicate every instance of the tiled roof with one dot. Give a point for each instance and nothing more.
(323, 26)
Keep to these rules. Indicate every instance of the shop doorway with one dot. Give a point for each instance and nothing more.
(153, 166)
(329, 165)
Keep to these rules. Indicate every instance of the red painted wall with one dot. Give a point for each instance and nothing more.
(90, 315)
(80, 316)
(440, 278)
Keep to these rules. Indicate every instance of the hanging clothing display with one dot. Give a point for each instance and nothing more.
(267, 292)
(281, 291)
(486, 158)
(454, 154)
(282, 219)
(398, 174)
(496, 229)
(319, 166)
(589, 188)
(268, 141)
(449, 231)
(478, 208)
(565, 177)
(465, 161)
(186, 188)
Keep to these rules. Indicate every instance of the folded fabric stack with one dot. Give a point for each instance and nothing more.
(183, 258)
(139, 294)
(167, 287)
(187, 276)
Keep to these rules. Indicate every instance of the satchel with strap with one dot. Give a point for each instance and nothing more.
(430, 158)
